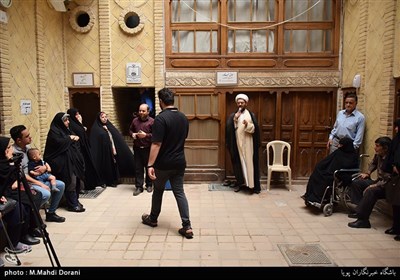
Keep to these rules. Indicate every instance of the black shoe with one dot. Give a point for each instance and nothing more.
(53, 217)
(392, 231)
(30, 240)
(253, 191)
(77, 209)
(353, 215)
(227, 183)
(149, 189)
(397, 238)
(237, 189)
(137, 191)
(147, 221)
(360, 224)
(36, 233)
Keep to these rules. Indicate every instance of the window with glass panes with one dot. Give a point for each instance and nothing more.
(273, 29)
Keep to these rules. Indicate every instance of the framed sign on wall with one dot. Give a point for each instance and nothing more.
(82, 79)
(227, 78)
(133, 73)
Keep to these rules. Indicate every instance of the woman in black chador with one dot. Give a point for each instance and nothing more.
(322, 176)
(92, 178)
(112, 156)
(63, 153)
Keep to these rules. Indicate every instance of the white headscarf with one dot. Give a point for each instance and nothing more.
(242, 96)
(64, 117)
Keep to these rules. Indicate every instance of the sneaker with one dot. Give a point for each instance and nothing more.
(137, 191)
(149, 189)
(187, 232)
(53, 217)
(147, 221)
(19, 249)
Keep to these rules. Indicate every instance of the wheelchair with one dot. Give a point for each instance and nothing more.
(339, 193)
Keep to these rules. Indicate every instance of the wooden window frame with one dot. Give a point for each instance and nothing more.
(219, 60)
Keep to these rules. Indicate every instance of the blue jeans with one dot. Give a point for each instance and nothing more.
(176, 179)
(55, 196)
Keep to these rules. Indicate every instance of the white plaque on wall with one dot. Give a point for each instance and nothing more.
(82, 79)
(26, 106)
(227, 78)
(133, 73)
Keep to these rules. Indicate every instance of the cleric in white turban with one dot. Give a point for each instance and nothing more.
(242, 96)
(243, 141)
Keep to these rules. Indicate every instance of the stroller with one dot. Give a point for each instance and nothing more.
(339, 192)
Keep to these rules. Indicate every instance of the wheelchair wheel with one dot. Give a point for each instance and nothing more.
(328, 210)
(345, 200)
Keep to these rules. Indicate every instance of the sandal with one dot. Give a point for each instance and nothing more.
(186, 232)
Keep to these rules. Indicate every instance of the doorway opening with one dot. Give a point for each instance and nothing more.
(127, 102)
(88, 105)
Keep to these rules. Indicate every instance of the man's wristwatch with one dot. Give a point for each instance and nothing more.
(150, 166)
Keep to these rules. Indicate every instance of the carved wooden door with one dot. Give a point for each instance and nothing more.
(314, 117)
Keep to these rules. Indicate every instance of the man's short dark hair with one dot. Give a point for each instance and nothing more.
(16, 131)
(351, 95)
(384, 142)
(167, 96)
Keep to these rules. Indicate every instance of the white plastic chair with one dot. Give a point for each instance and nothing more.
(277, 163)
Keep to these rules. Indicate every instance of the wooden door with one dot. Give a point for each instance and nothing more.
(313, 122)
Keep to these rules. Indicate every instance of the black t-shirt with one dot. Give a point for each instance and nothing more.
(171, 128)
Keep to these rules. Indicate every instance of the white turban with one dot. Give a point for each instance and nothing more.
(242, 96)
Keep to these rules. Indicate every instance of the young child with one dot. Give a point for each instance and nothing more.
(35, 159)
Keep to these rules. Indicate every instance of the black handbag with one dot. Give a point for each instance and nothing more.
(8, 206)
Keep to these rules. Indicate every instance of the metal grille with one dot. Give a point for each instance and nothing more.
(92, 193)
(219, 187)
(305, 255)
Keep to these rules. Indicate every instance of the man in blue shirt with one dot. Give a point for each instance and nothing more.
(349, 122)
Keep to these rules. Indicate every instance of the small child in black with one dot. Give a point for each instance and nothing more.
(35, 160)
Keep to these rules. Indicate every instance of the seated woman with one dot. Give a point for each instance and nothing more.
(345, 157)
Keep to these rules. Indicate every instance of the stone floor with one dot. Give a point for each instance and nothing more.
(231, 229)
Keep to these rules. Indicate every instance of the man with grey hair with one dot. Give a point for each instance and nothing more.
(243, 141)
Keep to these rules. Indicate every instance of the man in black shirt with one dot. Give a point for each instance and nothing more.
(167, 160)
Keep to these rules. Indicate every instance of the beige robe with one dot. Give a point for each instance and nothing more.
(244, 140)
